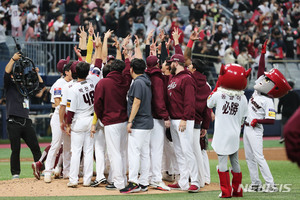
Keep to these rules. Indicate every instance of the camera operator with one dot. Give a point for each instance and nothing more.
(18, 123)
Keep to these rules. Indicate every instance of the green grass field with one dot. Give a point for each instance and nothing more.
(284, 172)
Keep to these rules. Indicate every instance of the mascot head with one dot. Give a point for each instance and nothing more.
(273, 84)
(233, 76)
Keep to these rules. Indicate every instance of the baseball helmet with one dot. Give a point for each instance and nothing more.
(61, 63)
(281, 87)
(233, 76)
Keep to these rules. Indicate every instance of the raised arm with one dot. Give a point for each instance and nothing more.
(188, 50)
(82, 44)
(262, 63)
(164, 52)
(176, 36)
(117, 45)
(104, 47)
(11, 62)
(137, 50)
(148, 43)
(90, 44)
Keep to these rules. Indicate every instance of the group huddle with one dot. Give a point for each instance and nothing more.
(148, 118)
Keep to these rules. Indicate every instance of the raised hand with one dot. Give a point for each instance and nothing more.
(176, 34)
(116, 43)
(91, 29)
(162, 35)
(108, 34)
(82, 33)
(136, 41)
(97, 41)
(195, 35)
(149, 36)
(16, 56)
(77, 51)
(126, 41)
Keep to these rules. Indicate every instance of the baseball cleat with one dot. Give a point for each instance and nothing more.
(36, 166)
(110, 186)
(160, 186)
(16, 176)
(193, 189)
(130, 188)
(144, 188)
(95, 183)
(57, 172)
(47, 178)
(72, 185)
(168, 177)
(174, 186)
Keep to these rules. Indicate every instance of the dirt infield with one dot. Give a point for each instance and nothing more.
(31, 187)
(58, 187)
(277, 153)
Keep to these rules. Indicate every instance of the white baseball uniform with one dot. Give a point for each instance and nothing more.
(259, 107)
(56, 92)
(81, 101)
(66, 137)
(230, 111)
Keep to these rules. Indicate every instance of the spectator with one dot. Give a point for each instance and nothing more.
(4, 51)
(30, 36)
(32, 16)
(58, 22)
(111, 21)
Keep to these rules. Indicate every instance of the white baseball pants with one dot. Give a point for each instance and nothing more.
(183, 146)
(139, 156)
(206, 166)
(55, 143)
(116, 139)
(66, 154)
(253, 144)
(81, 141)
(156, 149)
(198, 155)
(99, 142)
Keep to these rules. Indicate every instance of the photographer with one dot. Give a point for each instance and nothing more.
(18, 123)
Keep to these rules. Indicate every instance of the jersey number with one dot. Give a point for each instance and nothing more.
(89, 98)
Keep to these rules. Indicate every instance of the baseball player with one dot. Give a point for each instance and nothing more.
(79, 120)
(161, 120)
(62, 112)
(261, 110)
(231, 109)
(112, 111)
(56, 94)
(181, 100)
(139, 127)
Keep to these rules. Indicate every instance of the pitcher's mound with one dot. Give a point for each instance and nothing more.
(58, 187)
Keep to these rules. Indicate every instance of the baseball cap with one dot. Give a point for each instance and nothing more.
(176, 58)
(110, 57)
(152, 61)
(73, 66)
(61, 63)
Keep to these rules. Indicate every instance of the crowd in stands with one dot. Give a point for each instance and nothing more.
(232, 30)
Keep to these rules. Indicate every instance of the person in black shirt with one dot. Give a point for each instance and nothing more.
(287, 105)
(18, 123)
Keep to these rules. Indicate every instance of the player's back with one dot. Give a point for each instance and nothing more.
(81, 98)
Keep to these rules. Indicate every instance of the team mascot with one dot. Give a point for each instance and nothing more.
(231, 109)
(261, 111)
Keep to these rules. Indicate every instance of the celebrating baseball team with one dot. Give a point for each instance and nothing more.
(145, 121)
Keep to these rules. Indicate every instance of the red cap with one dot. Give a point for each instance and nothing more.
(61, 63)
(281, 87)
(176, 58)
(152, 61)
(73, 66)
(233, 76)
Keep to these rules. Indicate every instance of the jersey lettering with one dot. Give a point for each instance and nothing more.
(88, 98)
(230, 109)
(254, 103)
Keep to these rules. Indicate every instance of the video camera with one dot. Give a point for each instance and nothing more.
(24, 74)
